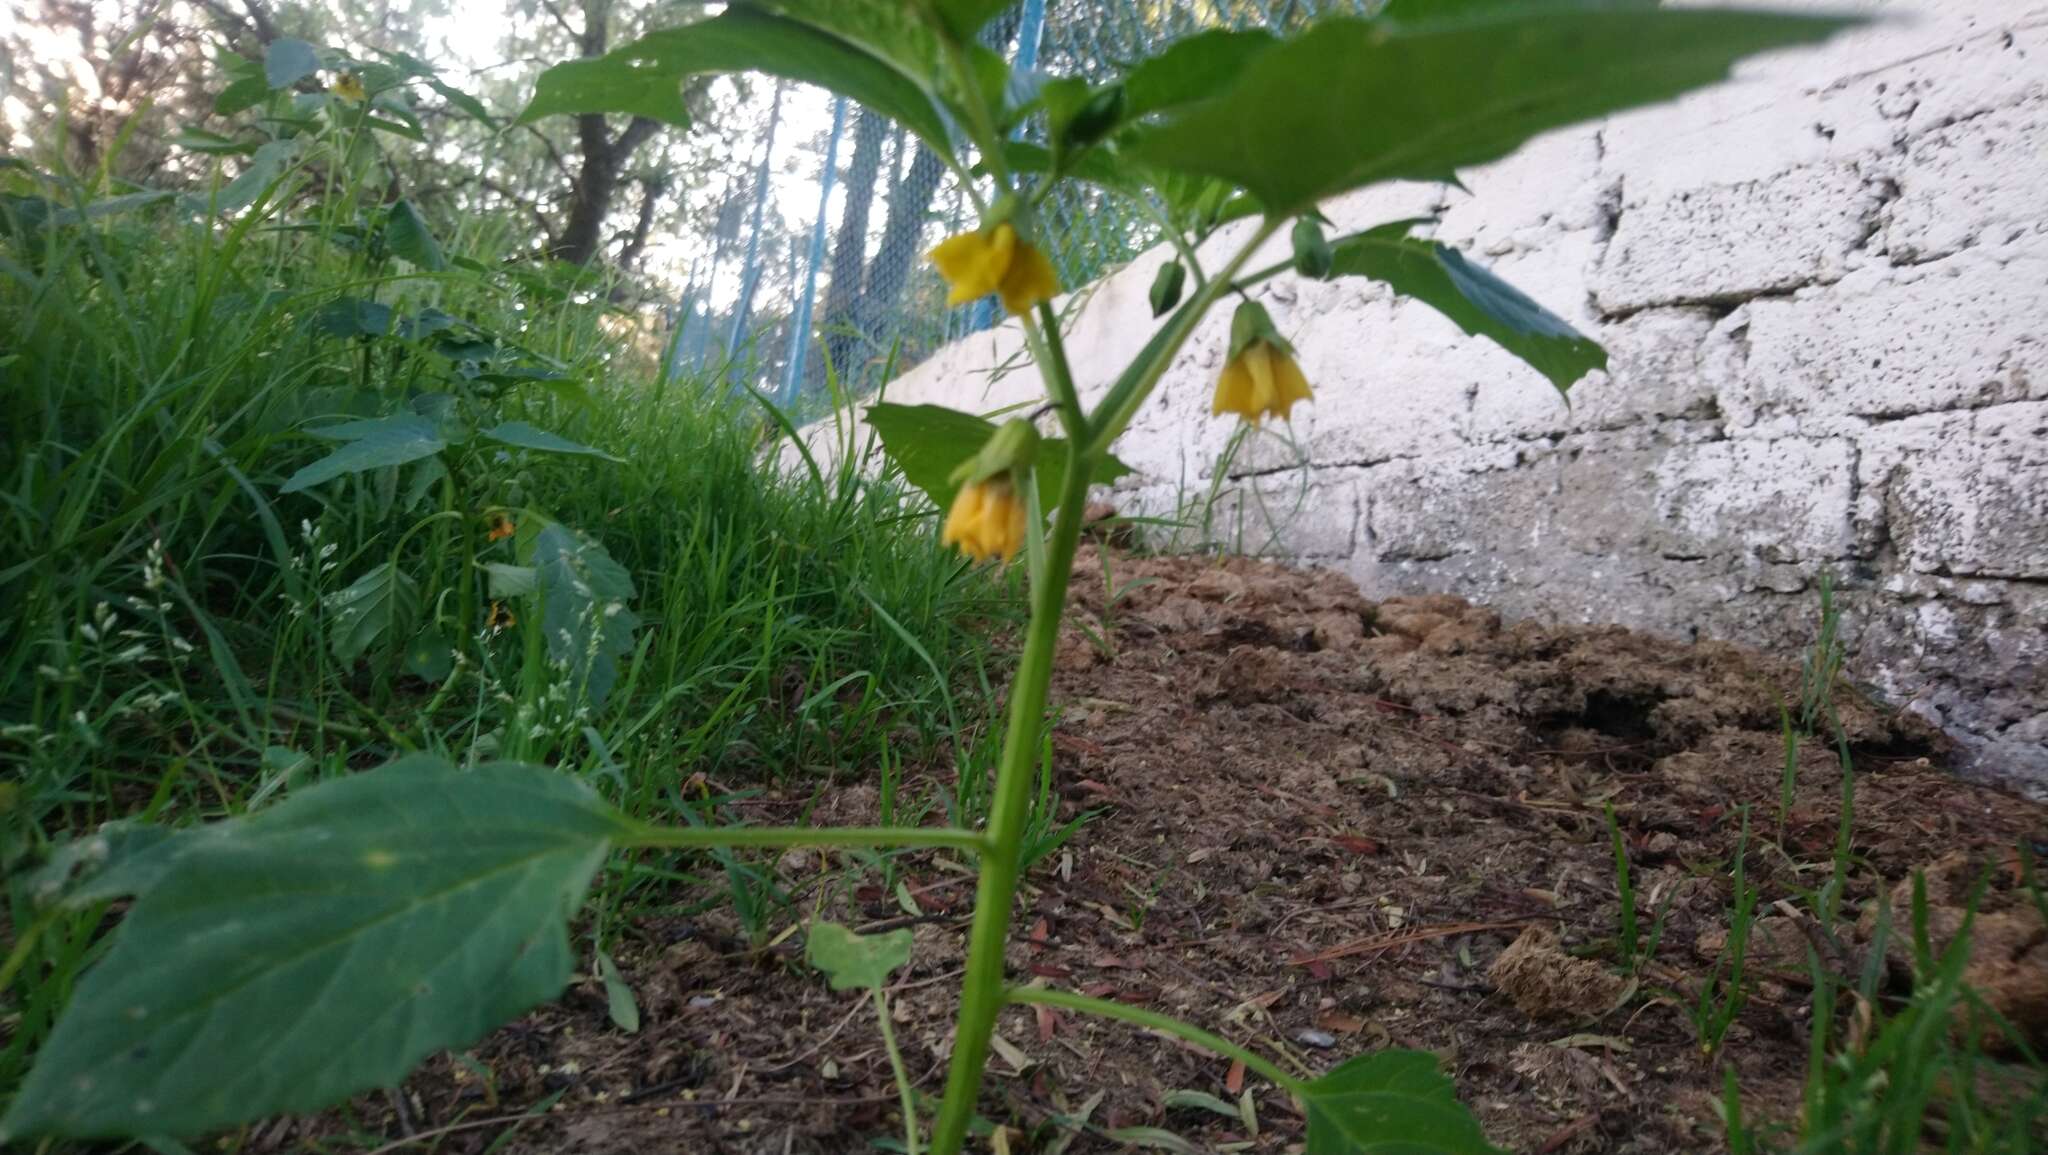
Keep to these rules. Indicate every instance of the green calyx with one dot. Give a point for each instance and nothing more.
(1012, 447)
(1166, 287)
(1312, 255)
(1251, 324)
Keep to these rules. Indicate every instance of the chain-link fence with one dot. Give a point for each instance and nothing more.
(782, 295)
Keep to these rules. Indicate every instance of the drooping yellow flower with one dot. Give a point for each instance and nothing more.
(502, 528)
(1261, 380)
(500, 617)
(995, 260)
(349, 87)
(987, 520)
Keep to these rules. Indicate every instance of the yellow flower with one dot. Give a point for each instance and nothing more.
(1262, 379)
(501, 618)
(348, 86)
(986, 521)
(502, 528)
(995, 260)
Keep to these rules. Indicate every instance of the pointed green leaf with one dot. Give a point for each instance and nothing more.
(618, 997)
(243, 93)
(322, 947)
(855, 961)
(510, 581)
(645, 77)
(1479, 302)
(585, 609)
(430, 657)
(1354, 102)
(1390, 1103)
(381, 602)
(256, 178)
(406, 233)
(525, 436)
(1192, 68)
(392, 440)
(288, 61)
(928, 442)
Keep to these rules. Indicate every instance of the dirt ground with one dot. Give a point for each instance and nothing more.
(1320, 825)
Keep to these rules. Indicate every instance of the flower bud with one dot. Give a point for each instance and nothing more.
(1012, 447)
(1166, 287)
(1312, 255)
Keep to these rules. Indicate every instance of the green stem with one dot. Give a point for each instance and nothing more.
(1122, 405)
(1158, 1022)
(981, 994)
(903, 1088)
(1050, 352)
(700, 837)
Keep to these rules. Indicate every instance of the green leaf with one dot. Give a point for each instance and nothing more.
(1390, 1103)
(380, 602)
(645, 78)
(289, 959)
(618, 997)
(406, 233)
(1191, 69)
(510, 581)
(241, 94)
(584, 598)
(1479, 302)
(393, 440)
(212, 143)
(965, 17)
(928, 442)
(1199, 1099)
(430, 657)
(255, 179)
(855, 961)
(289, 61)
(119, 858)
(525, 436)
(352, 317)
(1353, 102)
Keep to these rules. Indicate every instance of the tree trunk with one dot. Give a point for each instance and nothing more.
(850, 249)
(910, 206)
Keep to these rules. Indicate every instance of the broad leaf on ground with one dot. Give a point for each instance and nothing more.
(855, 961)
(280, 962)
(1353, 102)
(379, 441)
(927, 442)
(1479, 302)
(1390, 1103)
(585, 600)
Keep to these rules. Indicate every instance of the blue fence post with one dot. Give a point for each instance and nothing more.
(752, 270)
(672, 357)
(800, 327)
(1030, 27)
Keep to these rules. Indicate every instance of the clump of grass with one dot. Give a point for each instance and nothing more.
(173, 613)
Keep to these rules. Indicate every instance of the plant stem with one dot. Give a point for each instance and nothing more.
(903, 1088)
(981, 995)
(1109, 423)
(701, 837)
(1158, 1022)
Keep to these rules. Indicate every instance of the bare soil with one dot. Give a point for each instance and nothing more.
(1323, 826)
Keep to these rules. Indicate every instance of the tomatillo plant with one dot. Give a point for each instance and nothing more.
(281, 961)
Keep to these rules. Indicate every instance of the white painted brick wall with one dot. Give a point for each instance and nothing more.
(1824, 289)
